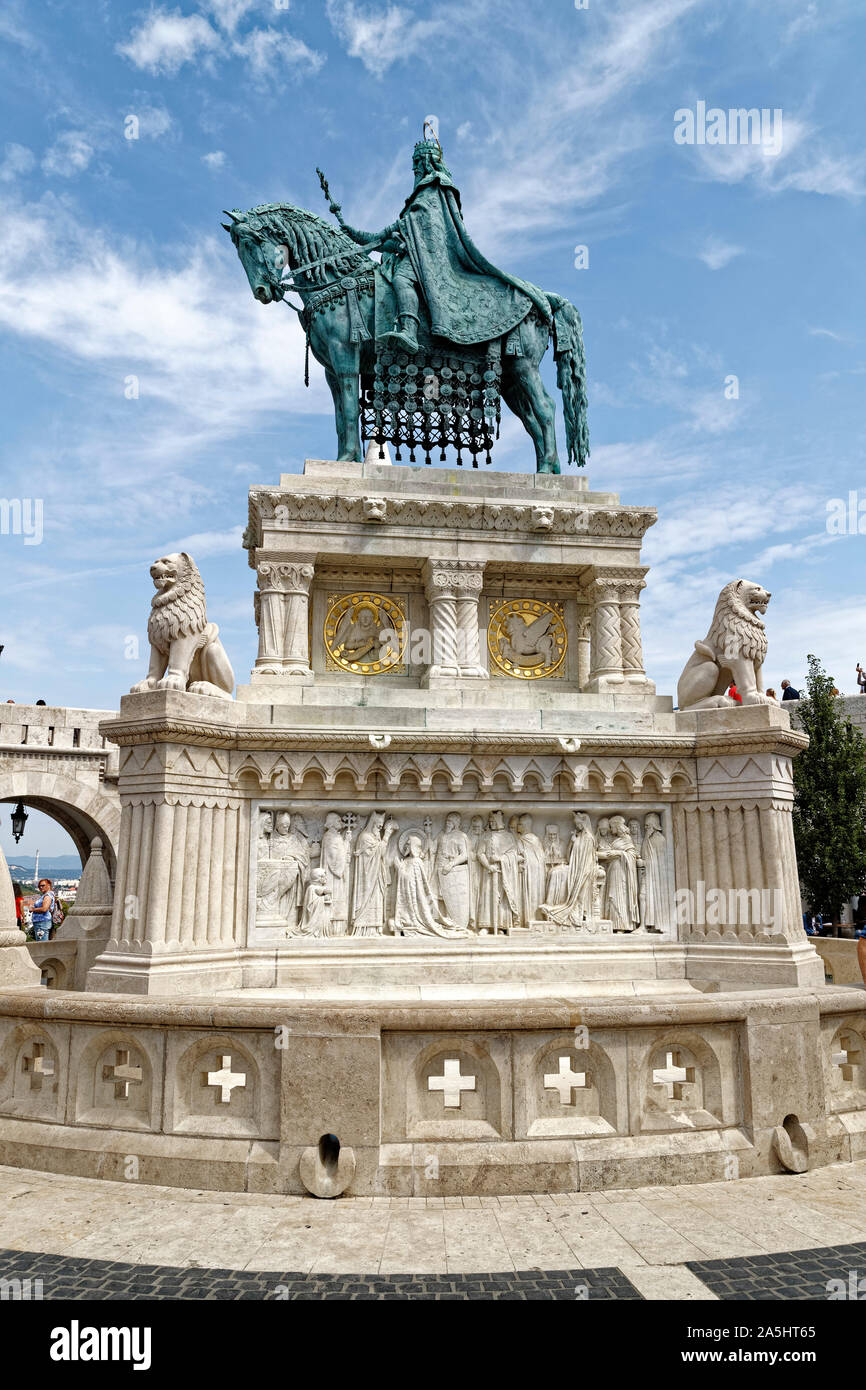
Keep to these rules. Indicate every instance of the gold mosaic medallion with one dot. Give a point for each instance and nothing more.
(365, 633)
(527, 638)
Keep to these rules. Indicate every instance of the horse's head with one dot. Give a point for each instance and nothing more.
(263, 256)
(277, 236)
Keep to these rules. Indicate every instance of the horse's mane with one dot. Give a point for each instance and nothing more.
(310, 238)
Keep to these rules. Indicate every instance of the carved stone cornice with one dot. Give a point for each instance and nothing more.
(278, 508)
(689, 745)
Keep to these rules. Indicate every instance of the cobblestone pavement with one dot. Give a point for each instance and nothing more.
(800, 1274)
(753, 1238)
(62, 1276)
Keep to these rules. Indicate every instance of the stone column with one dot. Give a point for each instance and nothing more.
(282, 615)
(453, 588)
(584, 647)
(617, 655)
(16, 967)
(632, 646)
(606, 663)
(469, 583)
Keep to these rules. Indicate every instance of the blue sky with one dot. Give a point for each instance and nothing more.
(558, 125)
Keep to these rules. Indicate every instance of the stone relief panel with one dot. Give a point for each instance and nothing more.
(116, 1078)
(684, 1080)
(365, 633)
(570, 1084)
(223, 1085)
(33, 1069)
(320, 873)
(438, 1087)
(527, 639)
(845, 1062)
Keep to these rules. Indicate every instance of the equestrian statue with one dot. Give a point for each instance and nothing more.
(419, 347)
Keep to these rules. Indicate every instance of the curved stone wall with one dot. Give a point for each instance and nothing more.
(449, 1099)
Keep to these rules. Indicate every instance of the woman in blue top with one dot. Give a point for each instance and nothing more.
(41, 911)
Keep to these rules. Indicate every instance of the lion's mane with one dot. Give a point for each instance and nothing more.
(179, 610)
(735, 629)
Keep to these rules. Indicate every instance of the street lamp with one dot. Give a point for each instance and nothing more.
(19, 820)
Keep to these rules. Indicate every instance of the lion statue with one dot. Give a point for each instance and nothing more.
(732, 652)
(185, 650)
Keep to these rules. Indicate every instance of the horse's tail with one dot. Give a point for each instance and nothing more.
(570, 361)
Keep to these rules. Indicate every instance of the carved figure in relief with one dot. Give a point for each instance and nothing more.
(556, 890)
(529, 644)
(579, 905)
(635, 830)
(266, 827)
(417, 912)
(370, 885)
(359, 633)
(533, 871)
(290, 848)
(316, 916)
(476, 833)
(454, 872)
(621, 904)
(656, 906)
(499, 889)
(336, 862)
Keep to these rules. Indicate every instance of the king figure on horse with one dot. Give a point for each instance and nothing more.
(419, 347)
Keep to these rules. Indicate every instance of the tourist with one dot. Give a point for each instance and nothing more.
(861, 679)
(734, 693)
(771, 695)
(18, 892)
(788, 691)
(40, 702)
(41, 912)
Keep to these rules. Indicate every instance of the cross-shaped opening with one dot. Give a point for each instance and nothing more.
(225, 1079)
(674, 1075)
(451, 1083)
(37, 1067)
(565, 1081)
(122, 1074)
(849, 1056)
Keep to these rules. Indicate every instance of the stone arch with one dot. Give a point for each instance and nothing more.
(83, 811)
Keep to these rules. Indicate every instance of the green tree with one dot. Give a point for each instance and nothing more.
(829, 799)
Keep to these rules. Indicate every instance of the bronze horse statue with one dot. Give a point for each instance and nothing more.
(342, 292)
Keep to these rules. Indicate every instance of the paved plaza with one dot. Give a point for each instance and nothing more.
(776, 1238)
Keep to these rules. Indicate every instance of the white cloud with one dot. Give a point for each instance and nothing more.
(69, 155)
(208, 357)
(380, 37)
(228, 13)
(215, 160)
(17, 160)
(716, 254)
(826, 333)
(802, 164)
(153, 121)
(268, 52)
(166, 40)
